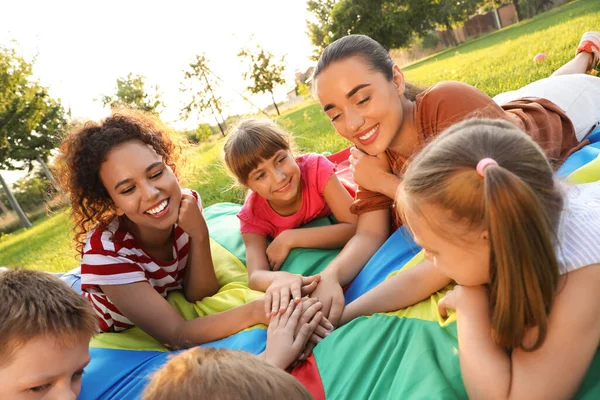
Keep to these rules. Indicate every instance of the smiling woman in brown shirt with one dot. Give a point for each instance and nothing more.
(388, 120)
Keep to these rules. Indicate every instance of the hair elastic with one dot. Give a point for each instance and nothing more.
(484, 162)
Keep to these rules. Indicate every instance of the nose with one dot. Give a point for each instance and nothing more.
(354, 120)
(280, 175)
(149, 191)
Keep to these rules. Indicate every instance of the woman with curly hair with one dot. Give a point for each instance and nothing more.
(139, 233)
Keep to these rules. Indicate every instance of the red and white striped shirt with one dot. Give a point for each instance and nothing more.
(112, 256)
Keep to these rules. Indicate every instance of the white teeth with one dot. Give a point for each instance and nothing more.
(158, 208)
(369, 134)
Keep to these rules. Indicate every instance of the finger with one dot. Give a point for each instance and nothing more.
(315, 339)
(442, 308)
(274, 322)
(276, 265)
(307, 302)
(335, 312)
(307, 280)
(327, 324)
(326, 307)
(308, 289)
(285, 317)
(309, 348)
(268, 301)
(296, 293)
(284, 301)
(305, 332)
(321, 331)
(275, 304)
(310, 312)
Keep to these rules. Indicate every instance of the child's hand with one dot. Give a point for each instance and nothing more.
(288, 334)
(286, 287)
(323, 330)
(190, 216)
(278, 250)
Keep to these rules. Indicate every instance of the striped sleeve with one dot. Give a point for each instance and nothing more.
(101, 264)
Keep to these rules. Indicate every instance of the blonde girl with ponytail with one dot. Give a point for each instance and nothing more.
(523, 249)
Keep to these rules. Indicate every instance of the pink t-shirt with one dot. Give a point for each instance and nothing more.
(257, 216)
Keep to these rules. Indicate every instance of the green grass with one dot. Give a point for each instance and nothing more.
(503, 60)
(495, 63)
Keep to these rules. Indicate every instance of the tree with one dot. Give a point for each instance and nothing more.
(132, 92)
(450, 13)
(30, 119)
(390, 22)
(319, 30)
(265, 71)
(200, 87)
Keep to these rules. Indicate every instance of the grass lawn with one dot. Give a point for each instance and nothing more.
(495, 63)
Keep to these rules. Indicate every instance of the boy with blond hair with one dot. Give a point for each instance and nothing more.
(45, 329)
(222, 374)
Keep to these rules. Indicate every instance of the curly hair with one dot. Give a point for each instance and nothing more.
(85, 148)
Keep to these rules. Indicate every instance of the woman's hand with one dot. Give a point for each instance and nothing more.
(285, 287)
(190, 217)
(279, 249)
(367, 170)
(330, 294)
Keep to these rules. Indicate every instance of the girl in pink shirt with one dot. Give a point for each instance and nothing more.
(286, 192)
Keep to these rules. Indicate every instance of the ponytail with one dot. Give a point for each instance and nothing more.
(523, 265)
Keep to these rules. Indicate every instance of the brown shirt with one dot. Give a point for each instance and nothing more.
(449, 102)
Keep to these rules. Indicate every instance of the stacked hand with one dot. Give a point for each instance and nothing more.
(285, 287)
(289, 333)
(365, 167)
(190, 216)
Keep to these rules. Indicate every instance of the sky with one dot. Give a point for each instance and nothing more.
(82, 47)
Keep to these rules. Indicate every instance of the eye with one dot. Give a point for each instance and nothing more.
(41, 388)
(365, 100)
(156, 174)
(77, 375)
(260, 176)
(128, 190)
(282, 159)
(335, 118)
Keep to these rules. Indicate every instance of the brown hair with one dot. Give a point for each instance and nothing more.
(517, 201)
(85, 148)
(373, 53)
(252, 141)
(222, 374)
(37, 303)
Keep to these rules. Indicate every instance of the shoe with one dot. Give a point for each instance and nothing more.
(590, 43)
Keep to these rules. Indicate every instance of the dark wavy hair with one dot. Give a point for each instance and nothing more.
(85, 148)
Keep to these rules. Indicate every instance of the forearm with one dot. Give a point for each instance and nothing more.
(218, 326)
(402, 290)
(353, 257)
(387, 184)
(323, 237)
(200, 279)
(485, 366)
(261, 279)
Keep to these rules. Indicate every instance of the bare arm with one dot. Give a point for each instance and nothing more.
(372, 231)
(141, 304)
(402, 290)
(553, 371)
(200, 279)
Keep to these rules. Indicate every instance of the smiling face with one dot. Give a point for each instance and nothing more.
(141, 185)
(277, 179)
(45, 369)
(459, 253)
(363, 106)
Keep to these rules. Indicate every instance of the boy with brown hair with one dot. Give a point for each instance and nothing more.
(222, 374)
(45, 330)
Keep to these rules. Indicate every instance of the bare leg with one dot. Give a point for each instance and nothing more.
(578, 65)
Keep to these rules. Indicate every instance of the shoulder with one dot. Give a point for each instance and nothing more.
(449, 102)
(579, 228)
(316, 169)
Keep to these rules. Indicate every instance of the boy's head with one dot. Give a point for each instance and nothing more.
(251, 142)
(45, 329)
(221, 374)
